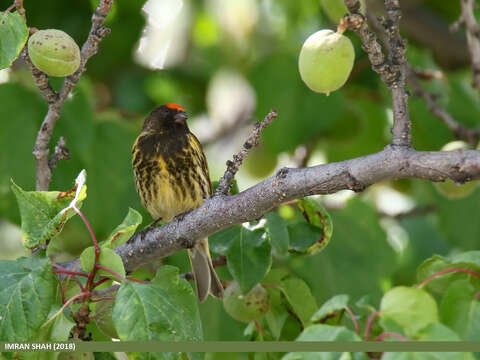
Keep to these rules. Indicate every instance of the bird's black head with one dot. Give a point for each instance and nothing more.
(166, 118)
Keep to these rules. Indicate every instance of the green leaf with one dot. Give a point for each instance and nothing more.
(103, 318)
(299, 296)
(460, 310)
(108, 258)
(13, 36)
(411, 308)
(249, 258)
(318, 216)
(320, 332)
(437, 332)
(44, 213)
(123, 231)
(278, 232)
(435, 264)
(358, 243)
(454, 220)
(277, 315)
(58, 329)
(165, 310)
(303, 237)
(27, 292)
(336, 303)
(221, 241)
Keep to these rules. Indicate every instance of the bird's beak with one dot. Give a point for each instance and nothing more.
(180, 118)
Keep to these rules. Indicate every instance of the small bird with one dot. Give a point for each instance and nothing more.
(171, 176)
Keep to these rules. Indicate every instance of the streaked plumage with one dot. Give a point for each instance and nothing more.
(171, 174)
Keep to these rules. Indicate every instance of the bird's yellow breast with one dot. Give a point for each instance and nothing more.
(171, 183)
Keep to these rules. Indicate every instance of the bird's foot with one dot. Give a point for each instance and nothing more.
(181, 216)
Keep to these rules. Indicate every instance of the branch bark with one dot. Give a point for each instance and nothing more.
(220, 212)
(473, 38)
(392, 68)
(56, 100)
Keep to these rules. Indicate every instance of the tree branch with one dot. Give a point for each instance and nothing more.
(56, 101)
(220, 212)
(460, 131)
(232, 166)
(473, 37)
(391, 69)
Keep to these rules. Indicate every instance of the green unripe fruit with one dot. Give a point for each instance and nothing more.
(336, 9)
(449, 188)
(260, 163)
(248, 307)
(54, 52)
(326, 60)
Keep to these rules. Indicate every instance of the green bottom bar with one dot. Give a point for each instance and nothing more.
(238, 346)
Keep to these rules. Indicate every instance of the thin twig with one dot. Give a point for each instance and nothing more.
(233, 166)
(61, 153)
(467, 18)
(460, 131)
(56, 101)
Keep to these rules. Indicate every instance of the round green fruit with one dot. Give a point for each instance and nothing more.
(449, 188)
(248, 307)
(336, 9)
(326, 60)
(54, 52)
(260, 163)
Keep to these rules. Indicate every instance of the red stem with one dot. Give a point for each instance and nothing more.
(101, 281)
(259, 328)
(68, 272)
(137, 280)
(91, 276)
(95, 243)
(352, 315)
(69, 301)
(369, 324)
(446, 271)
(114, 273)
(390, 334)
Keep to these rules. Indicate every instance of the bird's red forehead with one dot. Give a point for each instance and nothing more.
(175, 106)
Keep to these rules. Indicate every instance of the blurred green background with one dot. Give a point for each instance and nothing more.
(228, 63)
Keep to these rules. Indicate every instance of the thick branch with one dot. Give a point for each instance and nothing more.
(473, 38)
(89, 48)
(221, 211)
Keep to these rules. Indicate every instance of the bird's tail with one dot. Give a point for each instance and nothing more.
(206, 278)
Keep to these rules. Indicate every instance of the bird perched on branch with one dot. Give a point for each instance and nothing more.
(171, 174)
